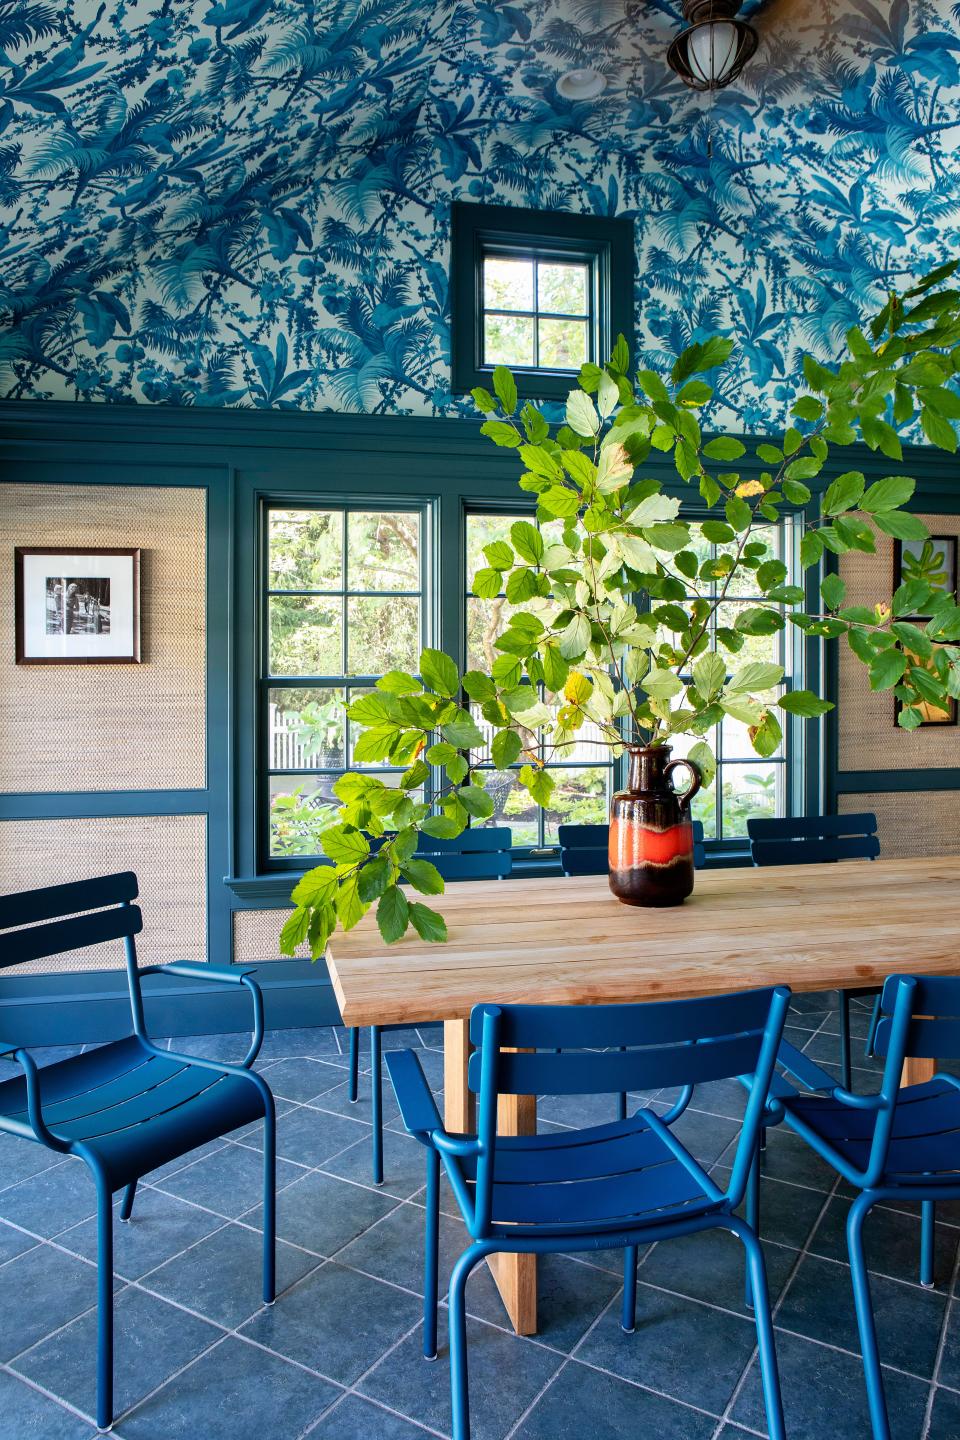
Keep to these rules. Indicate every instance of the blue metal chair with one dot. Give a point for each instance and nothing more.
(816, 840)
(613, 1186)
(899, 1144)
(126, 1107)
(584, 848)
(478, 854)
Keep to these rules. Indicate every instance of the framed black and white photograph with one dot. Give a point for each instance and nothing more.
(933, 561)
(76, 607)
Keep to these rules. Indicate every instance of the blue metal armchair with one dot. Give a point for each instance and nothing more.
(817, 840)
(483, 853)
(126, 1107)
(584, 848)
(899, 1144)
(613, 1186)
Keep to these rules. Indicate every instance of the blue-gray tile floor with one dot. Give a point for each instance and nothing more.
(338, 1356)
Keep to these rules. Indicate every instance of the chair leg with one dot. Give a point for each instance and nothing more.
(104, 1304)
(431, 1257)
(844, 999)
(354, 1090)
(457, 1320)
(769, 1374)
(628, 1318)
(126, 1204)
(865, 1321)
(872, 1032)
(622, 1099)
(928, 1213)
(753, 1214)
(269, 1203)
(376, 1102)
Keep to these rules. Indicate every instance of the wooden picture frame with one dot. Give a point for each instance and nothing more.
(76, 605)
(912, 554)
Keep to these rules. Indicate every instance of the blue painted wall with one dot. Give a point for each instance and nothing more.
(246, 202)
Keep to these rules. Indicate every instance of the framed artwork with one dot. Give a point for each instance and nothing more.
(932, 713)
(933, 560)
(77, 606)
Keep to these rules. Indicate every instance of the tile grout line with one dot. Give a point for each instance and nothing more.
(948, 1311)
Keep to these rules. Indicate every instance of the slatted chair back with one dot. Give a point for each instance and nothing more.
(813, 839)
(40, 923)
(584, 849)
(563, 1050)
(484, 853)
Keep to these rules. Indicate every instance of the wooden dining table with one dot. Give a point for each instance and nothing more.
(570, 942)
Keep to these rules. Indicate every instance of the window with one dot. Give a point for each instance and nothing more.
(344, 603)
(747, 785)
(584, 778)
(540, 293)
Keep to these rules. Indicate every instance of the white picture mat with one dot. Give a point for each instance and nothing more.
(118, 569)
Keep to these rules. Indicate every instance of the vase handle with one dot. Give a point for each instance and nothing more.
(696, 780)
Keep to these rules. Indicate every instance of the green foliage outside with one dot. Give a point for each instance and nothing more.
(645, 675)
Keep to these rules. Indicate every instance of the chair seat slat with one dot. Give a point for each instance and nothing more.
(77, 1076)
(137, 1109)
(624, 1199)
(629, 1149)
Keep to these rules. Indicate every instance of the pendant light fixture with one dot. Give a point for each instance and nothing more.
(714, 48)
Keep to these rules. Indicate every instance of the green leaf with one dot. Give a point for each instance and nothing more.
(344, 845)
(398, 682)
(316, 886)
(439, 672)
(487, 583)
(574, 639)
(717, 532)
(709, 673)
(373, 879)
(555, 668)
(506, 748)
(499, 554)
(758, 621)
(833, 590)
(901, 525)
(443, 827)
(886, 669)
(294, 931)
(527, 541)
(560, 500)
(392, 914)
(463, 732)
(350, 908)
(888, 494)
(756, 675)
(652, 386)
(476, 802)
(416, 776)
(795, 493)
(738, 513)
(709, 490)
(538, 783)
(938, 430)
(428, 924)
(881, 436)
(805, 704)
(695, 393)
(502, 434)
(505, 388)
(767, 735)
(423, 876)
(483, 400)
(803, 469)
(522, 584)
(913, 638)
(808, 407)
(845, 493)
(479, 686)
(581, 415)
(725, 447)
(662, 684)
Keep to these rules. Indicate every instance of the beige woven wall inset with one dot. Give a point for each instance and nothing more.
(913, 823)
(110, 727)
(168, 854)
(869, 738)
(256, 936)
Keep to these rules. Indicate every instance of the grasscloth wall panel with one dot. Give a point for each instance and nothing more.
(256, 935)
(110, 727)
(912, 823)
(869, 738)
(167, 853)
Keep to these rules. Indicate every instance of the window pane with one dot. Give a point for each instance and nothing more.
(305, 635)
(486, 621)
(754, 789)
(382, 634)
(306, 550)
(507, 340)
(305, 729)
(581, 797)
(300, 807)
(383, 550)
(507, 284)
(513, 807)
(563, 344)
(562, 288)
(481, 530)
(755, 647)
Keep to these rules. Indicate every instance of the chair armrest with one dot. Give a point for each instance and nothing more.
(802, 1068)
(8, 1050)
(418, 1109)
(224, 975)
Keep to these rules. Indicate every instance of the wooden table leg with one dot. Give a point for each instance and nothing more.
(515, 1275)
(917, 1072)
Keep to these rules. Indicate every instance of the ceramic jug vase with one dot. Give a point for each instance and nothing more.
(651, 837)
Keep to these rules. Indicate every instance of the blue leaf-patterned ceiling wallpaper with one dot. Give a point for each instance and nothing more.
(246, 202)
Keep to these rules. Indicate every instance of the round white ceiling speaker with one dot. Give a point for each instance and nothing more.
(583, 84)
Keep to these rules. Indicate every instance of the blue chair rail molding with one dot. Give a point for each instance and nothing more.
(616, 1186)
(127, 1107)
(897, 1146)
(478, 854)
(818, 840)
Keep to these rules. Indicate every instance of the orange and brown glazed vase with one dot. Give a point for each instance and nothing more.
(651, 837)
